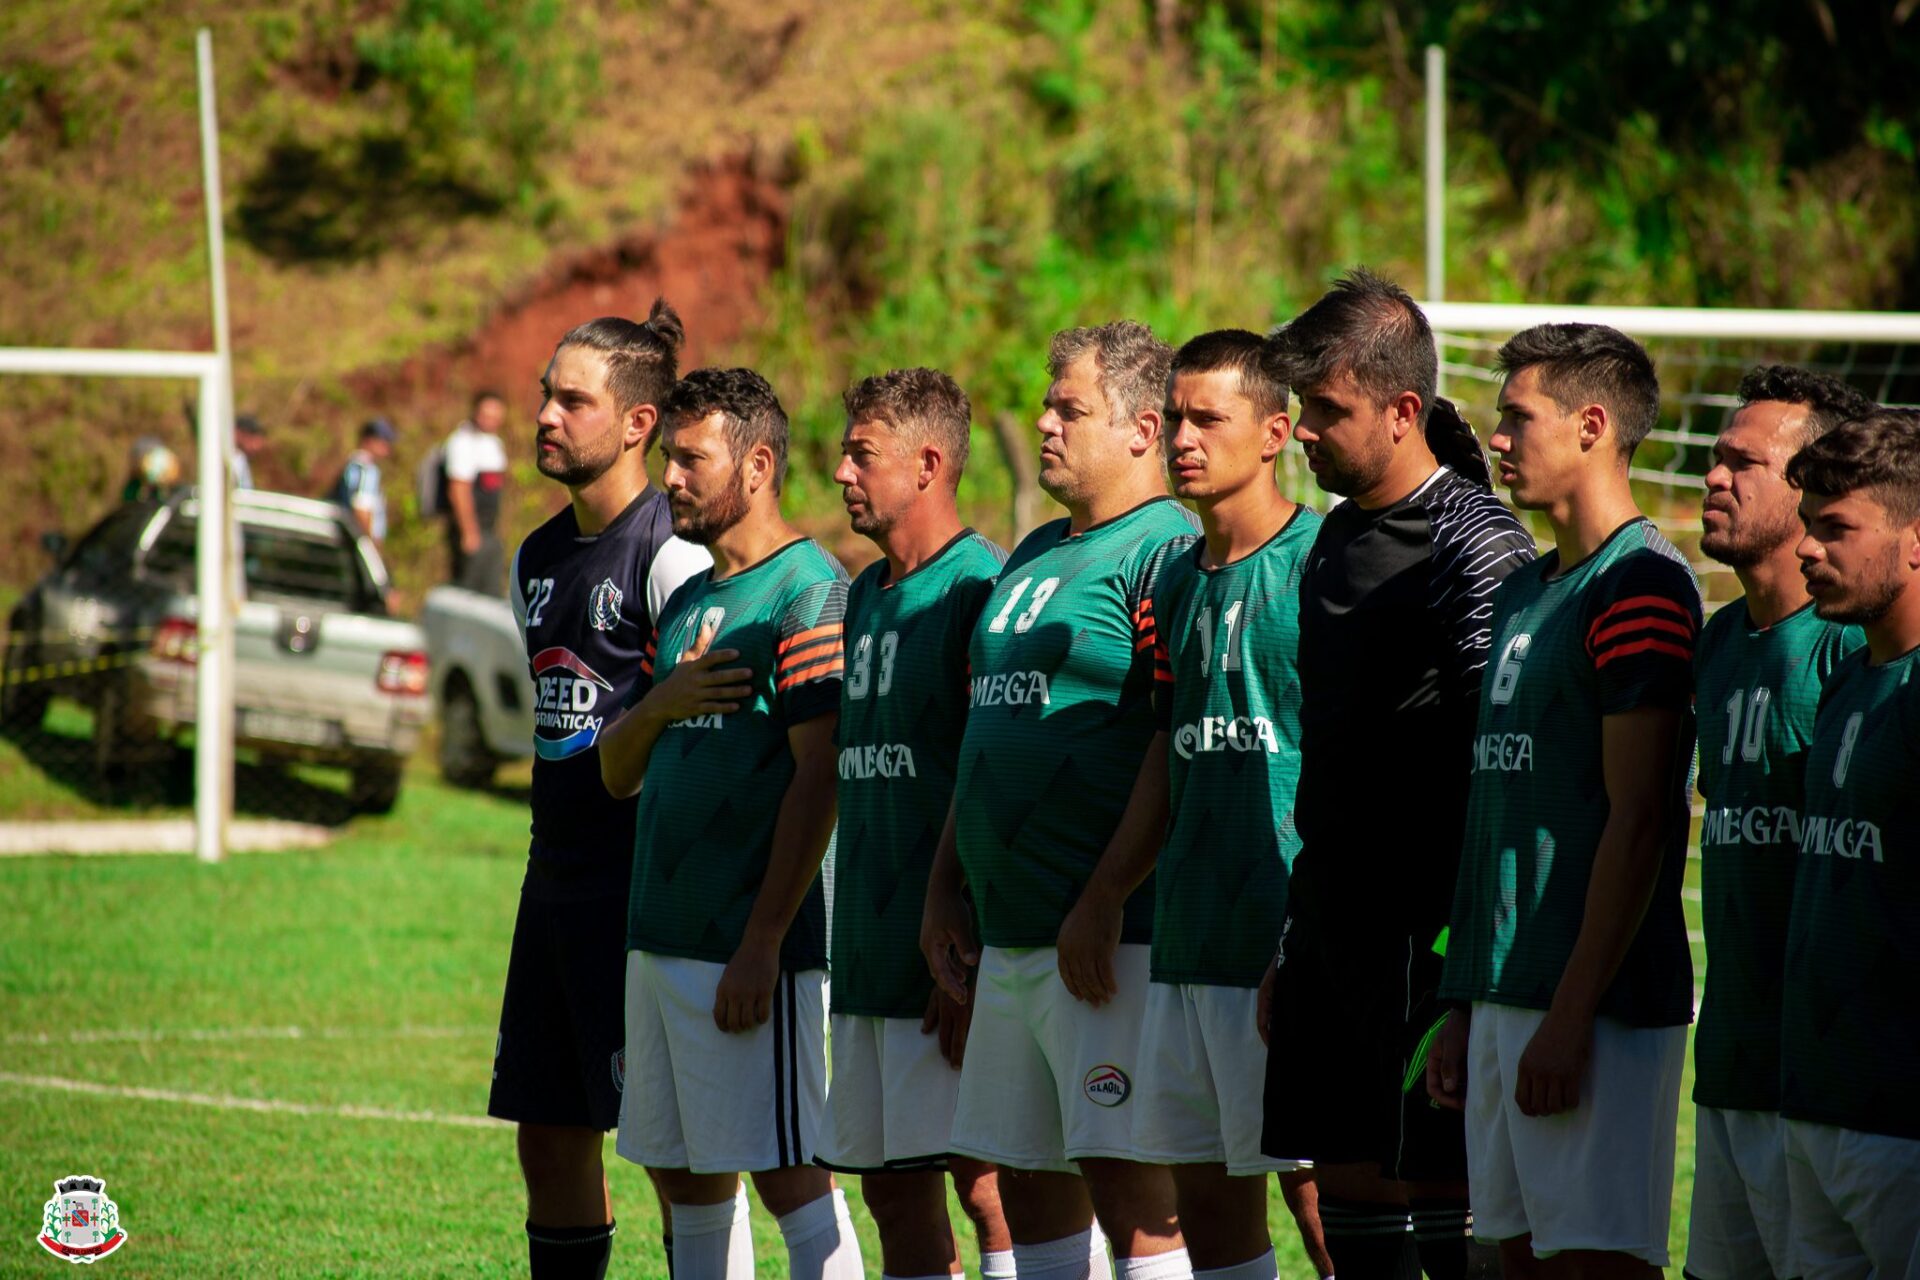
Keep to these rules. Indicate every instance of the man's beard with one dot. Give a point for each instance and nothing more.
(871, 524)
(1353, 476)
(1873, 599)
(1742, 547)
(702, 527)
(574, 470)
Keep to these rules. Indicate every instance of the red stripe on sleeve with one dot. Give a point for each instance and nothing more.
(1633, 625)
(1643, 646)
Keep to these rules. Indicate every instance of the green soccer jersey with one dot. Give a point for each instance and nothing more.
(1756, 689)
(1571, 646)
(1059, 716)
(1850, 1006)
(903, 707)
(1227, 690)
(714, 784)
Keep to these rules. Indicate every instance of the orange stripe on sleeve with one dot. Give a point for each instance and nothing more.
(831, 629)
(819, 671)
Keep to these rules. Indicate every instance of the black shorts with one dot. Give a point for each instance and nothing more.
(1346, 1070)
(560, 1056)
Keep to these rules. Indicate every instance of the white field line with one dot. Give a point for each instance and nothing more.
(150, 1035)
(227, 1102)
(156, 836)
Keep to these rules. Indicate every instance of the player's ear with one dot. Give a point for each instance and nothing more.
(1147, 426)
(1405, 411)
(1279, 428)
(1595, 423)
(760, 468)
(641, 421)
(931, 465)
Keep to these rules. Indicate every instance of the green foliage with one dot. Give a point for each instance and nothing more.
(487, 88)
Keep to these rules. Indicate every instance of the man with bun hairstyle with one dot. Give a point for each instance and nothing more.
(587, 586)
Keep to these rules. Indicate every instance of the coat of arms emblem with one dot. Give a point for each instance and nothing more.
(82, 1225)
(603, 606)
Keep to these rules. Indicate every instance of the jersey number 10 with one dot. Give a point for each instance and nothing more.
(1746, 723)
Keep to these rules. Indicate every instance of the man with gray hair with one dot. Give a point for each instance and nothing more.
(1059, 728)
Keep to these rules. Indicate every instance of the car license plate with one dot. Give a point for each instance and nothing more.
(282, 726)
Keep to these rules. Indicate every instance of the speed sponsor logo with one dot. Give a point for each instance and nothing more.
(567, 693)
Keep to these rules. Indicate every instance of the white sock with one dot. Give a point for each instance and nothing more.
(1068, 1258)
(997, 1265)
(1260, 1268)
(1155, 1266)
(713, 1241)
(1099, 1265)
(820, 1241)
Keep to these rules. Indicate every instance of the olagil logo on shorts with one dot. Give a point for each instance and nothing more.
(81, 1224)
(1107, 1086)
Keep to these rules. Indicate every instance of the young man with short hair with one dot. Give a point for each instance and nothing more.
(1567, 959)
(1850, 1040)
(728, 738)
(1394, 611)
(1761, 663)
(587, 588)
(903, 706)
(1226, 615)
(1059, 729)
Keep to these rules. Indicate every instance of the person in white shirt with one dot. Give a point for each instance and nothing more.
(476, 468)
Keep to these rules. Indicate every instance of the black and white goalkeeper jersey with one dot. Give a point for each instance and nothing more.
(1395, 617)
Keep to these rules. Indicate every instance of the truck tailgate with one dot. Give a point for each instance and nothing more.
(309, 675)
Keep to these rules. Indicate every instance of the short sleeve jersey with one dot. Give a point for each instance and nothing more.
(715, 783)
(583, 608)
(1059, 717)
(1611, 634)
(1227, 690)
(1756, 689)
(903, 707)
(478, 458)
(1850, 1043)
(1395, 611)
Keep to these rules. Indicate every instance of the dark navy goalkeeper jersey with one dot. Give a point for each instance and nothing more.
(586, 607)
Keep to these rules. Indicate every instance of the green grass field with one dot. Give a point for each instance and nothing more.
(309, 1036)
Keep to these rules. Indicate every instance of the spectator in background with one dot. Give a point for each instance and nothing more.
(249, 438)
(476, 469)
(152, 469)
(358, 489)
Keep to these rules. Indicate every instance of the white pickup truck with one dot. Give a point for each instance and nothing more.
(479, 683)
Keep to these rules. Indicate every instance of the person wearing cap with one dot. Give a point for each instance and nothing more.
(249, 438)
(358, 488)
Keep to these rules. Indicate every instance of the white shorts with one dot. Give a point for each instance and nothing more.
(1049, 1079)
(891, 1099)
(1738, 1229)
(703, 1099)
(1203, 1077)
(1597, 1177)
(1855, 1203)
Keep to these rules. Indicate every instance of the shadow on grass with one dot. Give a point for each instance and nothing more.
(63, 759)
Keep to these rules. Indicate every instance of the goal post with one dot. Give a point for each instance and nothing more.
(213, 576)
(1701, 353)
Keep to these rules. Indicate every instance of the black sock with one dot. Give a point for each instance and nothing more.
(569, 1253)
(666, 1243)
(1442, 1230)
(1368, 1240)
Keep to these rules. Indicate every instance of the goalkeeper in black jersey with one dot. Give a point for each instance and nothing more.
(1394, 614)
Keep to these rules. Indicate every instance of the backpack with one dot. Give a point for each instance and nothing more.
(430, 483)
